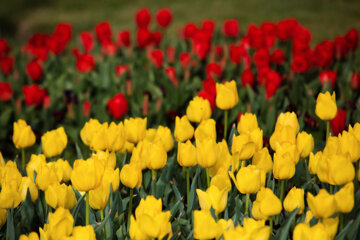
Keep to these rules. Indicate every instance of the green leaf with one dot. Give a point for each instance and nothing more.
(345, 231)
(76, 209)
(78, 151)
(192, 191)
(353, 231)
(284, 230)
(174, 209)
(10, 230)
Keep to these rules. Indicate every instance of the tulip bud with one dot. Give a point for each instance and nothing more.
(9, 197)
(335, 169)
(322, 205)
(206, 129)
(154, 155)
(284, 166)
(111, 176)
(248, 123)
(283, 135)
(344, 198)
(135, 129)
(294, 199)
(99, 196)
(313, 162)
(88, 131)
(355, 130)
(32, 236)
(60, 225)
(205, 227)
(223, 158)
(242, 147)
(248, 179)
(213, 197)
(34, 164)
(131, 175)
(54, 142)
(46, 176)
(115, 137)
(266, 204)
(28, 183)
(86, 174)
(65, 169)
(23, 136)
(183, 129)
(304, 144)
(221, 180)
(83, 232)
(288, 119)
(226, 95)
(262, 159)
(163, 135)
(326, 108)
(60, 195)
(198, 109)
(349, 145)
(186, 155)
(98, 141)
(206, 153)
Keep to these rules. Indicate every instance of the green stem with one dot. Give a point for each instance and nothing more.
(341, 222)
(129, 210)
(87, 196)
(271, 225)
(282, 182)
(102, 218)
(207, 177)
(331, 189)
(247, 205)
(153, 172)
(187, 185)
(225, 123)
(327, 129)
(23, 158)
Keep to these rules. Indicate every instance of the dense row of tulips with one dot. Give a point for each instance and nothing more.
(121, 187)
(60, 78)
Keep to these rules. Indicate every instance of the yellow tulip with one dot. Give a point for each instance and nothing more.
(198, 109)
(262, 159)
(302, 231)
(284, 166)
(9, 197)
(23, 136)
(155, 157)
(225, 225)
(111, 176)
(64, 167)
(60, 224)
(139, 154)
(131, 175)
(226, 95)
(344, 198)
(331, 226)
(3, 216)
(326, 108)
(319, 231)
(288, 119)
(283, 136)
(213, 197)
(242, 147)
(349, 145)
(135, 129)
(86, 174)
(34, 164)
(206, 153)
(83, 233)
(332, 146)
(223, 158)
(99, 139)
(163, 135)
(248, 179)
(266, 204)
(10, 175)
(313, 162)
(32, 236)
(99, 196)
(88, 131)
(221, 180)
(355, 130)
(60, 195)
(206, 129)
(150, 134)
(183, 129)
(54, 142)
(323, 205)
(28, 183)
(106, 158)
(294, 199)
(205, 226)
(248, 123)
(304, 144)
(237, 233)
(186, 155)
(46, 176)
(115, 137)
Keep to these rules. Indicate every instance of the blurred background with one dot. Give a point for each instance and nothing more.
(19, 19)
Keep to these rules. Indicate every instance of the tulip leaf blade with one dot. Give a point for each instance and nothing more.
(344, 232)
(354, 229)
(192, 191)
(10, 229)
(178, 197)
(78, 151)
(284, 230)
(76, 209)
(174, 209)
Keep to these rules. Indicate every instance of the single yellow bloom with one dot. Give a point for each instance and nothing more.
(60, 195)
(322, 205)
(131, 175)
(213, 197)
(248, 179)
(54, 142)
(183, 129)
(198, 109)
(186, 155)
(226, 95)
(344, 198)
(135, 129)
(83, 232)
(86, 174)
(326, 108)
(23, 136)
(206, 129)
(304, 144)
(294, 199)
(262, 159)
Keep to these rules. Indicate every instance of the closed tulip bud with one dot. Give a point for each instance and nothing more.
(54, 142)
(60, 195)
(10, 175)
(28, 183)
(150, 134)
(64, 167)
(242, 147)
(335, 169)
(138, 155)
(304, 144)
(262, 159)
(135, 129)
(23, 136)
(225, 225)
(322, 205)
(88, 131)
(86, 174)
(248, 123)
(302, 231)
(60, 225)
(213, 197)
(186, 155)
(205, 226)
(223, 158)
(206, 129)
(163, 135)
(266, 204)
(131, 175)
(183, 129)
(198, 109)
(99, 196)
(332, 146)
(349, 145)
(34, 164)
(32, 236)
(107, 159)
(3, 216)
(226, 95)
(284, 166)
(281, 136)
(331, 226)
(154, 155)
(319, 231)
(221, 180)
(294, 199)
(111, 176)
(248, 179)
(326, 108)
(46, 175)
(288, 119)
(313, 162)
(83, 233)
(355, 130)
(98, 141)
(206, 153)
(115, 137)
(256, 136)
(9, 197)
(344, 198)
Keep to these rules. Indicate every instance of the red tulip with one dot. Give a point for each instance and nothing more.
(207, 96)
(355, 80)
(86, 108)
(118, 106)
(261, 57)
(85, 62)
(328, 76)
(157, 57)
(184, 59)
(189, 30)
(5, 91)
(208, 26)
(285, 28)
(6, 64)
(34, 95)
(164, 17)
(156, 38)
(209, 86)
(338, 123)
(143, 18)
(87, 41)
(108, 48)
(213, 70)
(123, 39)
(219, 51)
(171, 73)
(4, 47)
(256, 37)
(247, 78)
(300, 64)
(170, 53)
(121, 69)
(103, 32)
(352, 37)
(143, 37)
(277, 57)
(34, 70)
(231, 28)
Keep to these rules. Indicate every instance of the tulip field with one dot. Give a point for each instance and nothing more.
(219, 133)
